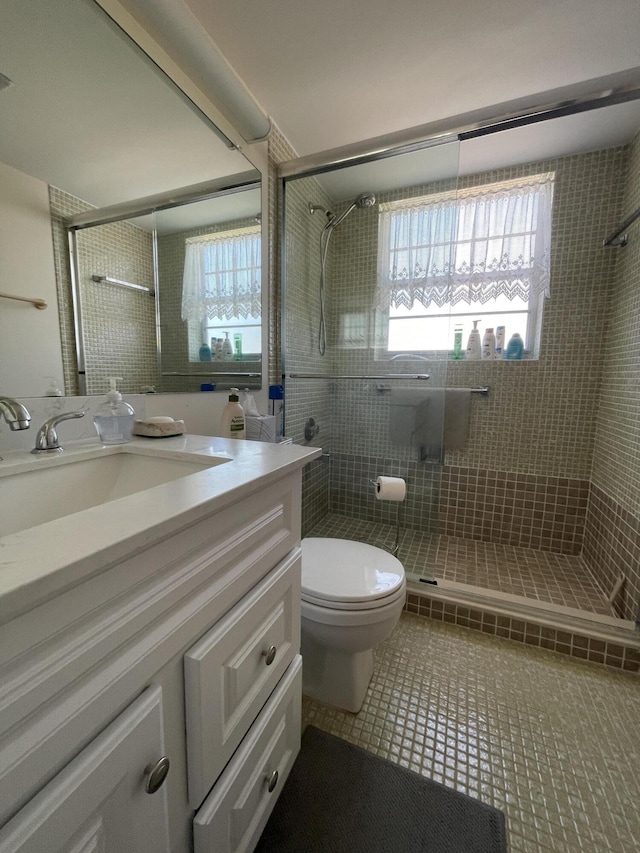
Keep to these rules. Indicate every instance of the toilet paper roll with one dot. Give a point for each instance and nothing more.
(390, 489)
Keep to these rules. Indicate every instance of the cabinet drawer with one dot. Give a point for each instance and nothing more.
(234, 815)
(232, 670)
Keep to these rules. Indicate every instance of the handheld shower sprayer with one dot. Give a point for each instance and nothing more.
(363, 201)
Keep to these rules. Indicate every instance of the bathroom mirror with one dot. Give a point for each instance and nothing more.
(171, 301)
(87, 118)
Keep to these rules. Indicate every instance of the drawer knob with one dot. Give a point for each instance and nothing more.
(270, 655)
(156, 774)
(272, 780)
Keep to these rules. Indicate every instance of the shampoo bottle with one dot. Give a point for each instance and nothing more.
(232, 424)
(488, 344)
(515, 348)
(474, 348)
(114, 418)
(500, 333)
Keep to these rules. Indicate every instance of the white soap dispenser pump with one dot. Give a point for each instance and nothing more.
(474, 345)
(114, 418)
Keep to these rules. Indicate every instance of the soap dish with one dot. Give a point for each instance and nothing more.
(159, 429)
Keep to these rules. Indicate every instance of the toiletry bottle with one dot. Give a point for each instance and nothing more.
(457, 344)
(515, 348)
(488, 344)
(227, 349)
(237, 346)
(114, 418)
(474, 347)
(500, 333)
(232, 424)
(219, 350)
(205, 353)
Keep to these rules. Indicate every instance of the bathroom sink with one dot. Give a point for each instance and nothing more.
(50, 491)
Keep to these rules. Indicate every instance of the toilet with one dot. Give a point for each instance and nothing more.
(352, 597)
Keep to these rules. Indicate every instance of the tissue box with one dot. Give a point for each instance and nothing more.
(261, 427)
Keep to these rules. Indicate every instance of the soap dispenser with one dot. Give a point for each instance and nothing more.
(114, 418)
(474, 346)
(227, 348)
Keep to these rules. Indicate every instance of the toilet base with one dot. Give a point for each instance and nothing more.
(336, 677)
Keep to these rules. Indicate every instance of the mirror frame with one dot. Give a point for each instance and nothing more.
(257, 156)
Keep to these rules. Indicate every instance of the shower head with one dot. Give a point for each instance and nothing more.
(363, 200)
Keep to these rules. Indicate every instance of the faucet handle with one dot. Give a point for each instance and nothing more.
(47, 437)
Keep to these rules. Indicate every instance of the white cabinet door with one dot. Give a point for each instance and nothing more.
(99, 802)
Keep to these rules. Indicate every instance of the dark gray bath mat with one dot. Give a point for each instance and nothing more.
(341, 799)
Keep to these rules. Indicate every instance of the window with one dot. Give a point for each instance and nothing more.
(221, 290)
(451, 258)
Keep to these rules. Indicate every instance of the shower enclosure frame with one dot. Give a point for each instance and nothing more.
(605, 91)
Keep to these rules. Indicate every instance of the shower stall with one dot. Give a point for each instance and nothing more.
(517, 517)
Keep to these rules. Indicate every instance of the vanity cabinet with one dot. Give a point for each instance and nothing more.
(187, 647)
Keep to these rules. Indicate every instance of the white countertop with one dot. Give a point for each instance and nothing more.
(40, 561)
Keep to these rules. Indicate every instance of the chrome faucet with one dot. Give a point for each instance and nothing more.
(47, 437)
(15, 414)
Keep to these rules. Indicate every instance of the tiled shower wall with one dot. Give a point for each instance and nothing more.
(612, 538)
(524, 476)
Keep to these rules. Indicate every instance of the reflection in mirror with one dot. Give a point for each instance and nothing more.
(172, 300)
(87, 121)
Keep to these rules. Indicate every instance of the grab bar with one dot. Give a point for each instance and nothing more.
(624, 239)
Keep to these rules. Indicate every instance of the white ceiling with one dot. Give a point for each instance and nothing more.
(336, 72)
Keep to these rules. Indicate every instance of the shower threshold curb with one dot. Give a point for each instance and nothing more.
(606, 629)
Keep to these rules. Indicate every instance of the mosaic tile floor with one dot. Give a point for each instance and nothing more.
(553, 578)
(552, 742)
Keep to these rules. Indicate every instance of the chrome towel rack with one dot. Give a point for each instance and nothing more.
(384, 376)
(100, 278)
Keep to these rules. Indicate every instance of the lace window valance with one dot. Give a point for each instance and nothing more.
(221, 279)
(471, 246)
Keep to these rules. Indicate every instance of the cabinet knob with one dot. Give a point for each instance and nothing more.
(270, 655)
(156, 774)
(272, 780)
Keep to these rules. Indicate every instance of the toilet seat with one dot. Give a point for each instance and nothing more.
(343, 575)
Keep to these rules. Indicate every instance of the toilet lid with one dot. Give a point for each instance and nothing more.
(338, 570)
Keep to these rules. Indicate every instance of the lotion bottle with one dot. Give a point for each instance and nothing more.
(232, 423)
(474, 347)
(227, 348)
(488, 344)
